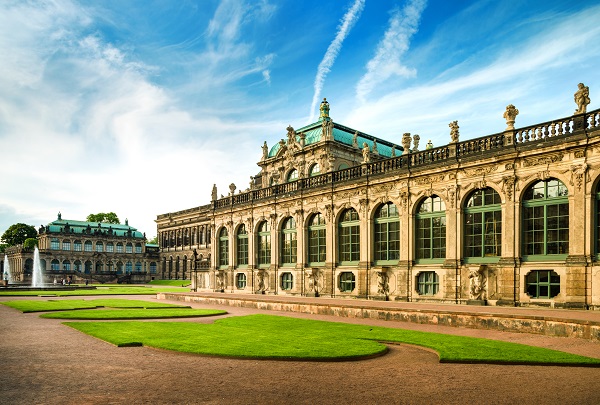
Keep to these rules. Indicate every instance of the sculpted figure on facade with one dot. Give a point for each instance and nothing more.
(416, 139)
(327, 131)
(406, 142)
(383, 287)
(454, 131)
(510, 115)
(366, 152)
(355, 140)
(375, 151)
(314, 282)
(324, 109)
(393, 150)
(265, 151)
(213, 194)
(477, 284)
(582, 98)
(260, 281)
(291, 135)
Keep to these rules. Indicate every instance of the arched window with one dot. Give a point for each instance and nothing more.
(316, 240)
(431, 229)
(66, 245)
(292, 175)
(242, 246)
(545, 220)
(66, 265)
(138, 267)
(110, 247)
(77, 246)
(387, 234)
(88, 267)
(99, 247)
(55, 265)
(119, 247)
(138, 248)
(88, 246)
(54, 244)
(152, 267)
(483, 224)
(223, 247)
(288, 242)
(343, 166)
(264, 244)
(315, 170)
(349, 237)
(110, 266)
(128, 268)
(77, 265)
(287, 281)
(129, 248)
(99, 267)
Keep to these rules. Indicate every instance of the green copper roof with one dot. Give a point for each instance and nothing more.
(341, 134)
(91, 228)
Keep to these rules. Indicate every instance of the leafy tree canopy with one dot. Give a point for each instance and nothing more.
(17, 233)
(108, 218)
(30, 243)
(153, 241)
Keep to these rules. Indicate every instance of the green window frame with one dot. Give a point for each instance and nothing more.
(387, 234)
(289, 248)
(347, 281)
(264, 244)
(287, 281)
(349, 237)
(545, 221)
(542, 284)
(292, 175)
(428, 283)
(240, 281)
(223, 247)
(317, 248)
(482, 226)
(242, 246)
(431, 230)
(315, 170)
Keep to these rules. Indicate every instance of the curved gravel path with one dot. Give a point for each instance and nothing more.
(44, 362)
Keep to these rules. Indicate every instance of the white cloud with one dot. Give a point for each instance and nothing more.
(396, 40)
(349, 19)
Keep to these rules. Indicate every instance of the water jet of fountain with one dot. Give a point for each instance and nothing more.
(37, 279)
(7, 273)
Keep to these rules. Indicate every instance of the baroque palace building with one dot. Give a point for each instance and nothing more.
(93, 251)
(511, 218)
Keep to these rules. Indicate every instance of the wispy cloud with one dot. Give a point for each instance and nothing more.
(386, 63)
(346, 24)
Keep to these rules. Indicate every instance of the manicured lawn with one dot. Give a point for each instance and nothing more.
(64, 305)
(172, 283)
(276, 337)
(132, 313)
(101, 290)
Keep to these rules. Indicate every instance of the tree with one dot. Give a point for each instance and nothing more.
(107, 218)
(17, 233)
(153, 241)
(30, 243)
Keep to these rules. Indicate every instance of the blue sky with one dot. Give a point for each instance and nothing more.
(138, 107)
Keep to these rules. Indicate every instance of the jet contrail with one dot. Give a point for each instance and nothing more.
(351, 16)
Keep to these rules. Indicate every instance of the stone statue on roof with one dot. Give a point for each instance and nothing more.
(416, 139)
(324, 110)
(366, 153)
(454, 131)
(582, 98)
(355, 140)
(510, 115)
(214, 193)
(375, 151)
(265, 151)
(291, 135)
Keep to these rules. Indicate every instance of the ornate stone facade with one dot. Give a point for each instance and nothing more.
(509, 219)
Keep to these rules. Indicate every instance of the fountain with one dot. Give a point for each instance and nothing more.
(7, 274)
(37, 279)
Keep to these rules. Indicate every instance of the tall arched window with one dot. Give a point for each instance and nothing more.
(292, 175)
(288, 242)
(316, 240)
(242, 246)
(431, 229)
(483, 225)
(223, 247)
(264, 244)
(545, 220)
(315, 170)
(387, 234)
(349, 237)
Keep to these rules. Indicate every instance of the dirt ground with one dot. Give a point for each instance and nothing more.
(45, 362)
